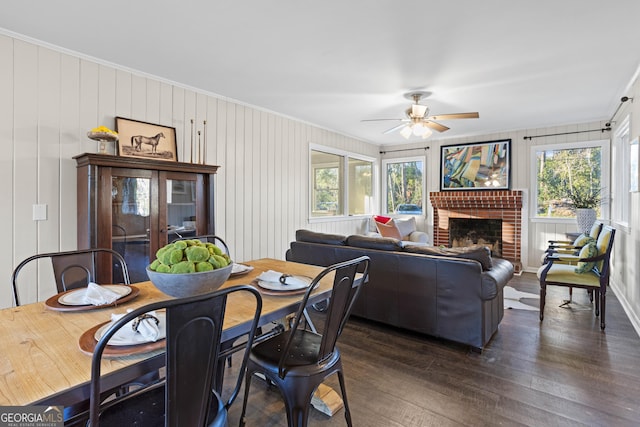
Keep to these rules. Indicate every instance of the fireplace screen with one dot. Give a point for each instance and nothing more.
(469, 232)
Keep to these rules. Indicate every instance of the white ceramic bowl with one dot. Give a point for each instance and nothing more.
(190, 284)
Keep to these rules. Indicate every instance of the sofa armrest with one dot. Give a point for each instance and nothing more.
(495, 279)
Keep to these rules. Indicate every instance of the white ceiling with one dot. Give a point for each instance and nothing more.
(520, 64)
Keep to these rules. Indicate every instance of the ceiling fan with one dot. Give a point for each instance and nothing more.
(418, 122)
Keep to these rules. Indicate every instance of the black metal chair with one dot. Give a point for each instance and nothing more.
(299, 360)
(73, 269)
(186, 396)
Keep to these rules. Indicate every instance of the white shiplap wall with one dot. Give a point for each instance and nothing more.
(49, 99)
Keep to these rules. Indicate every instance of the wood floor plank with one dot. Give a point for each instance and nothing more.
(563, 371)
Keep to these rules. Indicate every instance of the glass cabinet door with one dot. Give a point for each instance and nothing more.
(179, 204)
(131, 223)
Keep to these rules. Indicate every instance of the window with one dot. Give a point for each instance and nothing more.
(341, 183)
(568, 176)
(620, 197)
(403, 186)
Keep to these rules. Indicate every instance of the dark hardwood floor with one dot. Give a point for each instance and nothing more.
(561, 372)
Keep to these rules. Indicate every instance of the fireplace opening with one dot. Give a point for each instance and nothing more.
(469, 232)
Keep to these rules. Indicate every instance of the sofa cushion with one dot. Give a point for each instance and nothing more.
(482, 254)
(382, 244)
(315, 237)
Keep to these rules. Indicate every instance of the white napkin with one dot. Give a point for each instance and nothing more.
(147, 329)
(274, 276)
(99, 295)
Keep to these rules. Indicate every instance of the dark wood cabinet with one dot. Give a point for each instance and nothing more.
(136, 206)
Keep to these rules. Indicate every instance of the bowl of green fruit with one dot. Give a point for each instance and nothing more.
(189, 267)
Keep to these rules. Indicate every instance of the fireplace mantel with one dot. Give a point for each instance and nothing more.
(485, 204)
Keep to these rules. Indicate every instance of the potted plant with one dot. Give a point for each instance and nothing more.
(585, 201)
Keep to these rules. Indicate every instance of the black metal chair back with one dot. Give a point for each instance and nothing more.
(74, 269)
(193, 354)
(299, 360)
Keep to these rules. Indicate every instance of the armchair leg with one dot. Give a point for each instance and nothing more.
(543, 295)
(603, 297)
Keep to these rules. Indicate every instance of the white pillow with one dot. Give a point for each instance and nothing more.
(405, 226)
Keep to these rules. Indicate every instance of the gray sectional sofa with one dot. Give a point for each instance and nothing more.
(452, 294)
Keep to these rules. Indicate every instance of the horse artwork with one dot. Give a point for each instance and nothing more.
(137, 140)
(153, 141)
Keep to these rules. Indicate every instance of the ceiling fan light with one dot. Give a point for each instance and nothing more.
(418, 110)
(419, 129)
(427, 133)
(406, 131)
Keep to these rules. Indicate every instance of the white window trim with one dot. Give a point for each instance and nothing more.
(604, 144)
(346, 155)
(621, 214)
(383, 176)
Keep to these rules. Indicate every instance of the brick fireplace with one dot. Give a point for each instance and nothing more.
(502, 205)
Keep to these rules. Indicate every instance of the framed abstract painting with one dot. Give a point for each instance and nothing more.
(476, 166)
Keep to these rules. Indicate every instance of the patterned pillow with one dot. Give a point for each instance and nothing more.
(582, 240)
(389, 229)
(589, 250)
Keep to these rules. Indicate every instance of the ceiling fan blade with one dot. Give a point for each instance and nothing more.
(380, 120)
(473, 115)
(401, 125)
(435, 126)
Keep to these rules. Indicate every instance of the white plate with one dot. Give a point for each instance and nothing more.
(240, 268)
(127, 336)
(277, 286)
(77, 297)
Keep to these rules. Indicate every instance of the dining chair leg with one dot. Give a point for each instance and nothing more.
(247, 385)
(598, 300)
(343, 389)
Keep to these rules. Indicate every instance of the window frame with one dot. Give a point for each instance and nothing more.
(344, 182)
(620, 185)
(383, 189)
(605, 170)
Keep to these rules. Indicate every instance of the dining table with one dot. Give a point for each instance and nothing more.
(42, 361)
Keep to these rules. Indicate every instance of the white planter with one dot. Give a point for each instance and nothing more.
(585, 219)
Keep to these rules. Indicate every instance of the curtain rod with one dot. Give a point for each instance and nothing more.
(606, 128)
(568, 133)
(404, 149)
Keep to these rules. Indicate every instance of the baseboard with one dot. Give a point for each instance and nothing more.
(635, 320)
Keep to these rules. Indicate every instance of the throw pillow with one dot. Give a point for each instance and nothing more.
(405, 227)
(389, 229)
(382, 219)
(589, 250)
(582, 240)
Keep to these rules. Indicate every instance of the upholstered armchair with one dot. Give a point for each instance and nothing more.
(588, 270)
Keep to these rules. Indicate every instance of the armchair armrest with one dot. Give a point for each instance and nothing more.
(560, 242)
(559, 257)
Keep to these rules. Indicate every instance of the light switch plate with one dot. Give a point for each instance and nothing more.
(39, 212)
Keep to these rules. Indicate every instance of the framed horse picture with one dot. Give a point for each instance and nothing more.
(148, 140)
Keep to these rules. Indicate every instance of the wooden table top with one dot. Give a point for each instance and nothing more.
(39, 355)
